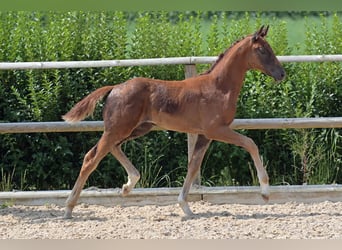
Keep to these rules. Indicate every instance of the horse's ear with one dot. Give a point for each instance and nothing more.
(257, 34)
(262, 32)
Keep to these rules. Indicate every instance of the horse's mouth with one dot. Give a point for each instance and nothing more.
(279, 75)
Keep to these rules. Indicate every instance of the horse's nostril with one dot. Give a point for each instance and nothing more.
(283, 74)
(280, 75)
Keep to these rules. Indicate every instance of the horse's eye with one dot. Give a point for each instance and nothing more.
(261, 50)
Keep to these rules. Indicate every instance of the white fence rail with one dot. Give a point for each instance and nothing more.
(270, 123)
(149, 62)
(276, 123)
(190, 70)
(167, 196)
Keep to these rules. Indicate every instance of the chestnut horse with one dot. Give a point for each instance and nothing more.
(203, 105)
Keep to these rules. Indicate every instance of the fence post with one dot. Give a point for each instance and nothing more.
(190, 71)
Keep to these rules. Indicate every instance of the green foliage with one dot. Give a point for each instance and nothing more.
(6, 180)
(52, 160)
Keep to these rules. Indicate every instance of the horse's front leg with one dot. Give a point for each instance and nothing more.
(201, 146)
(225, 134)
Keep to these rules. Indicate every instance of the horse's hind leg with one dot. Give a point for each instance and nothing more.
(201, 147)
(132, 172)
(90, 162)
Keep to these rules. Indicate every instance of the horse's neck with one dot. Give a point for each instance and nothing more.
(230, 72)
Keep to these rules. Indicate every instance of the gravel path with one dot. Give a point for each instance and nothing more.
(278, 221)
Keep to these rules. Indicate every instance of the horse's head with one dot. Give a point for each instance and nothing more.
(262, 56)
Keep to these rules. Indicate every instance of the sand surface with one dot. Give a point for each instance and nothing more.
(232, 221)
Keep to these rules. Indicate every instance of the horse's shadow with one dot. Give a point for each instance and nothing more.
(36, 215)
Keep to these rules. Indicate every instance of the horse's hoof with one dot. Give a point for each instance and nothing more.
(125, 190)
(186, 209)
(67, 215)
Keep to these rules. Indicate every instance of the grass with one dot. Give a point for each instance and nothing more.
(6, 180)
(7, 204)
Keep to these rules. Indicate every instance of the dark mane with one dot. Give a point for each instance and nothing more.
(220, 57)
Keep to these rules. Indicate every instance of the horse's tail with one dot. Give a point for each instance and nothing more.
(86, 106)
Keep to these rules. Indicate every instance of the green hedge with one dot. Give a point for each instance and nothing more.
(52, 160)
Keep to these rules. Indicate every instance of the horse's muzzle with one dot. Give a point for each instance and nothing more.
(278, 74)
